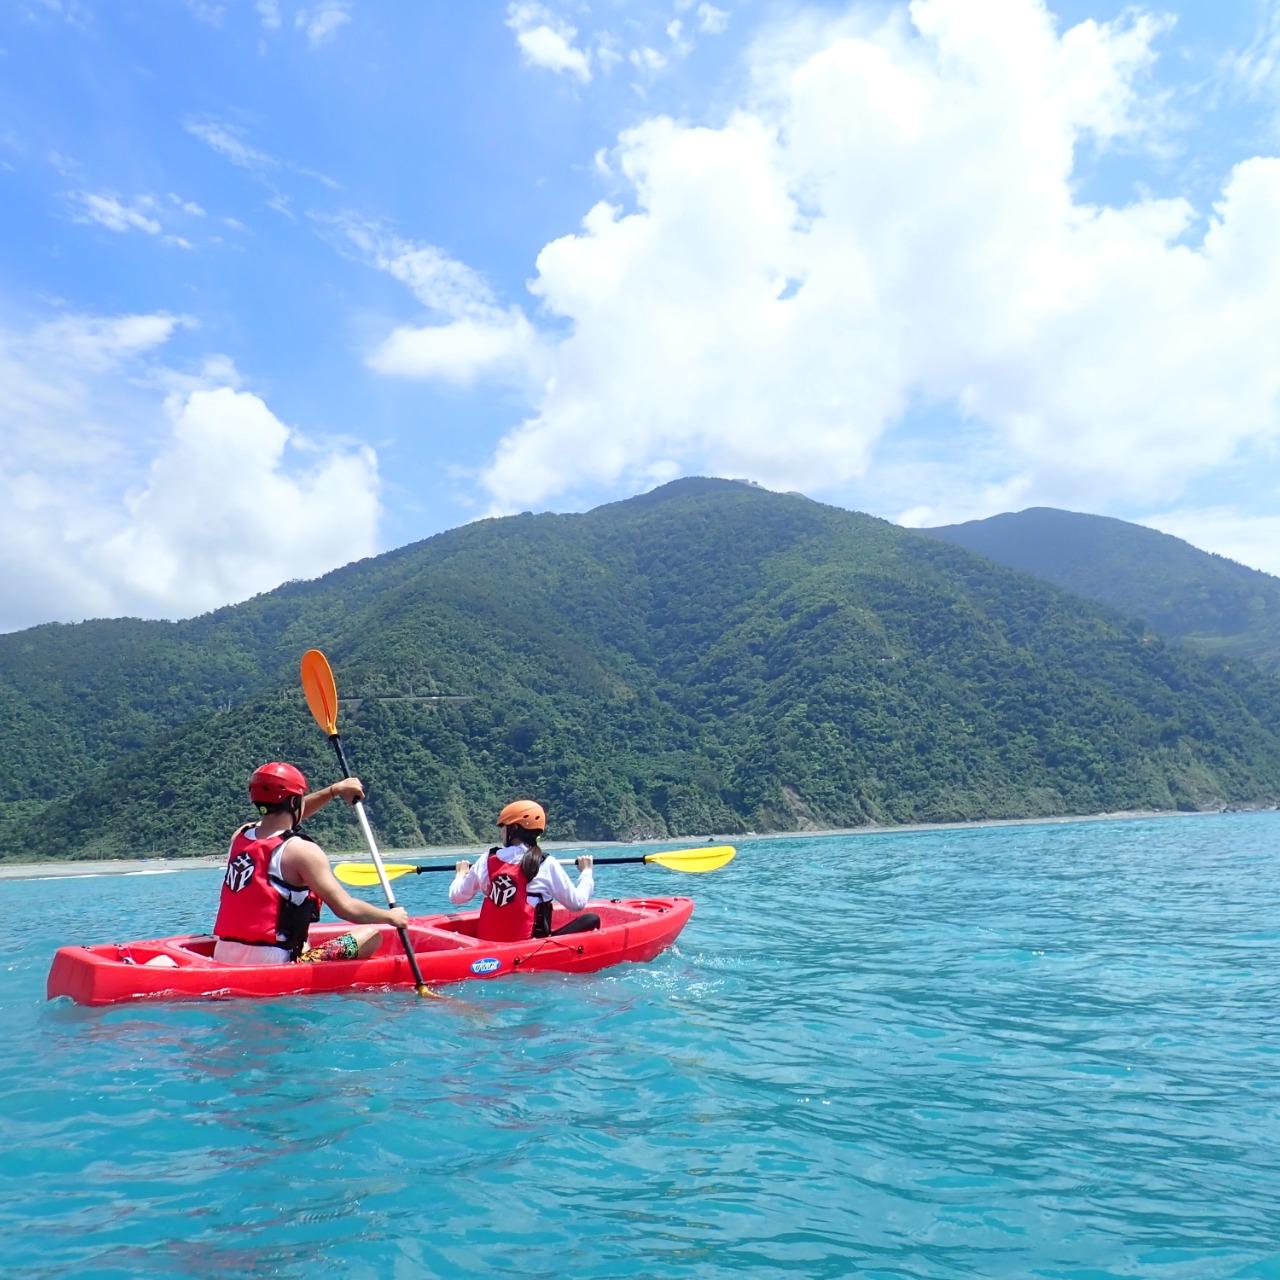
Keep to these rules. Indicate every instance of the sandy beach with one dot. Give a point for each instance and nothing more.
(157, 866)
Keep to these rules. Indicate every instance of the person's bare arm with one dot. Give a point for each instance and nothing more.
(304, 862)
(349, 789)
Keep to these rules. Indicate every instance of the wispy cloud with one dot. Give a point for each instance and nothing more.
(279, 203)
(209, 12)
(144, 213)
(109, 211)
(187, 206)
(648, 59)
(321, 22)
(74, 12)
(470, 334)
(548, 39)
(225, 139)
(97, 344)
(1254, 72)
(712, 20)
(1257, 67)
(228, 141)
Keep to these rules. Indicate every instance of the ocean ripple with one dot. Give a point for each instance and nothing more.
(1042, 1050)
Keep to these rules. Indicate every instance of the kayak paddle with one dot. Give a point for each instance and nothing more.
(694, 861)
(322, 697)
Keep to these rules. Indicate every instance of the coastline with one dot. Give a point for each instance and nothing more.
(162, 866)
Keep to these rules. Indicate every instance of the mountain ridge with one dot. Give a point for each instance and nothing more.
(1194, 596)
(712, 656)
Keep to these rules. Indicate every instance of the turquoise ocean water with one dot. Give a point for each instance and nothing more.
(1042, 1050)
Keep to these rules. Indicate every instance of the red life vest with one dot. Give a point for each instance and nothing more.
(506, 915)
(258, 906)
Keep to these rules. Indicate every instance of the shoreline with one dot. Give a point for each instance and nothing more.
(162, 866)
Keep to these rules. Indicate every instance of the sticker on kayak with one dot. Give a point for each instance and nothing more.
(490, 964)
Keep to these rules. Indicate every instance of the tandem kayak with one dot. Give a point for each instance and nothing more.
(445, 946)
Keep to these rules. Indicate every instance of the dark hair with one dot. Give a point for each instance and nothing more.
(291, 805)
(534, 856)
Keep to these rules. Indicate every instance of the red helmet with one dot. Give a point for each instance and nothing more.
(274, 783)
(528, 814)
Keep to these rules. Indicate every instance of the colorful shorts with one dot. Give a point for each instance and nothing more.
(343, 947)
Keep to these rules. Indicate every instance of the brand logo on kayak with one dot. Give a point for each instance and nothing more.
(490, 964)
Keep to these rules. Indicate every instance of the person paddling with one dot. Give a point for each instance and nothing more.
(276, 879)
(520, 882)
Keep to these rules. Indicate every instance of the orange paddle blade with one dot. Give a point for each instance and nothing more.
(322, 693)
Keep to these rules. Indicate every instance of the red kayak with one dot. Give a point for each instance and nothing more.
(445, 946)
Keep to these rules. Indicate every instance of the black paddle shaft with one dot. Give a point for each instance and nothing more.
(599, 862)
(342, 755)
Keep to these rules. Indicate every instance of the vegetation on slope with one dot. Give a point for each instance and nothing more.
(710, 657)
(1206, 600)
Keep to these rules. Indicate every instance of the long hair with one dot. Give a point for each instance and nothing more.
(533, 855)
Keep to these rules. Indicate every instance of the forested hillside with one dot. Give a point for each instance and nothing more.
(710, 657)
(1212, 603)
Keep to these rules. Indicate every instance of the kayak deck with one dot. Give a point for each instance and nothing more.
(445, 947)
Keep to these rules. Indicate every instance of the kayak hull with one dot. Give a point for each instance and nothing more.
(445, 947)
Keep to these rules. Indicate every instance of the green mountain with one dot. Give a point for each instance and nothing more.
(1184, 593)
(710, 657)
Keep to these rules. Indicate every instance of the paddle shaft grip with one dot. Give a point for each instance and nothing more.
(377, 862)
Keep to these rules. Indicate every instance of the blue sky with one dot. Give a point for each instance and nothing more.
(286, 284)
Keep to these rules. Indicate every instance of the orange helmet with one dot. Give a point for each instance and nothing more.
(528, 814)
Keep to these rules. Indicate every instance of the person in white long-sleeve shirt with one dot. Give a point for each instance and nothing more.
(520, 883)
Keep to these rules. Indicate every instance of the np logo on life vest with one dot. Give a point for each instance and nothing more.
(490, 964)
(502, 890)
(239, 872)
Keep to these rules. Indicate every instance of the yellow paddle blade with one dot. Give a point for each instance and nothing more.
(695, 860)
(322, 693)
(365, 873)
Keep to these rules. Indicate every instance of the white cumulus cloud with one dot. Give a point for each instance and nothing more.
(132, 488)
(224, 515)
(892, 218)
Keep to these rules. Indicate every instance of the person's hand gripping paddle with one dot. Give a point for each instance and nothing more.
(322, 697)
